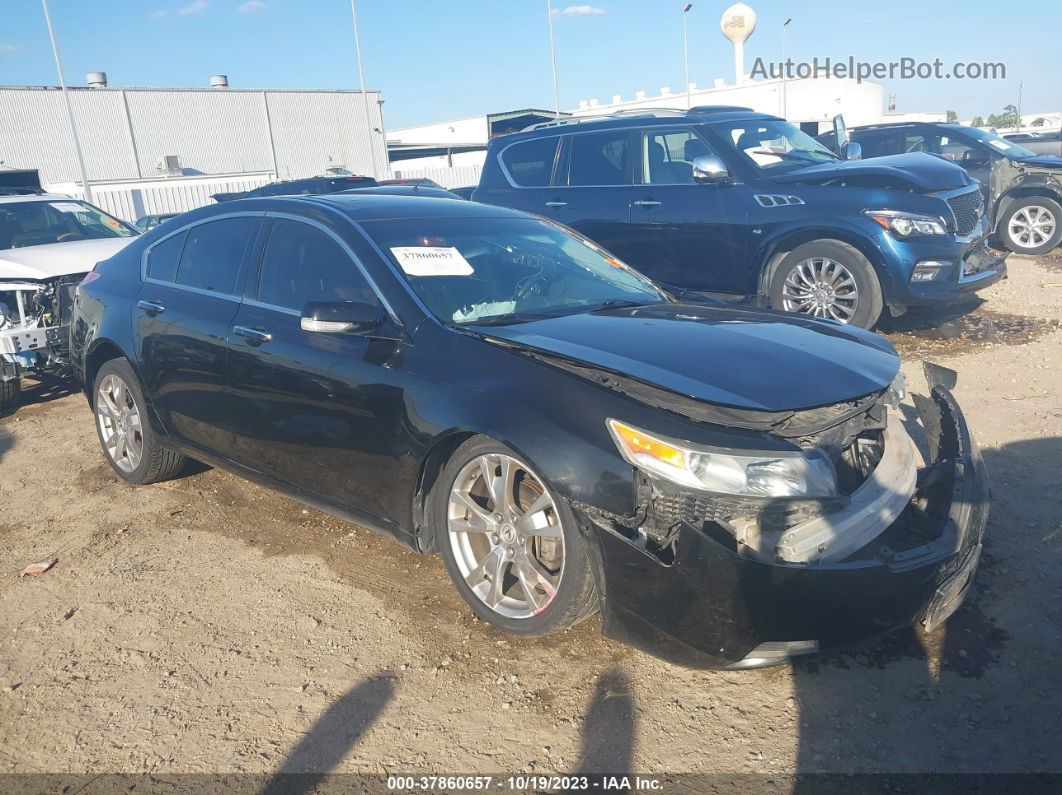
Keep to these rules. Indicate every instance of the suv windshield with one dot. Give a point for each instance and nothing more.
(506, 270)
(997, 144)
(774, 145)
(38, 223)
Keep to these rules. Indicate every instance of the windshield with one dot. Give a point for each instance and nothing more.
(506, 270)
(38, 223)
(774, 145)
(999, 145)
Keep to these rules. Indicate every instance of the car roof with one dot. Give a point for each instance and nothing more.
(703, 115)
(380, 206)
(891, 125)
(35, 197)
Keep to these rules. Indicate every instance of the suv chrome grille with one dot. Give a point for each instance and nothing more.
(967, 210)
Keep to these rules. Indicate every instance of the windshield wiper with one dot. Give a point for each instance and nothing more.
(793, 154)
(616, 303)
(505, 320)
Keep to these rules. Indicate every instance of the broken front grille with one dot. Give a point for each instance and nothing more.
(967, 210)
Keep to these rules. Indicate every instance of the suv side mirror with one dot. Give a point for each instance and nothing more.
(853, 151)
(338, 317)
(709, 169)
(972, 157)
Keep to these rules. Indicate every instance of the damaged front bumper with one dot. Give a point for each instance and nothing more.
(904, 549)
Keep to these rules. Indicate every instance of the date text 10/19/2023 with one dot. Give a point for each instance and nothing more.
(523, 783)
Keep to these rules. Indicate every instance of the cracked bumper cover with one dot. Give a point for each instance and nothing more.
(708, 606)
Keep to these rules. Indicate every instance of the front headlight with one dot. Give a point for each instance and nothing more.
(767, 474)
(906, 225)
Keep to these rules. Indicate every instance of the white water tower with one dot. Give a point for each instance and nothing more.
(737, 24)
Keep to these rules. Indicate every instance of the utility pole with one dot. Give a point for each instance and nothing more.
(785, 29)
(553, 58)
(686, 51)
(1021, 88)
(361, 80)
(86, 188)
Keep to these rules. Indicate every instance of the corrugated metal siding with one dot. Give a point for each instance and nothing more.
(456, 177)
(308, 129)
(213, 132)
(35, 133)
(133, 201)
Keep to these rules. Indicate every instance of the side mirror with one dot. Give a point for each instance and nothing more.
(853, 151)
(709, 169)
(339, 317)
(971, 157)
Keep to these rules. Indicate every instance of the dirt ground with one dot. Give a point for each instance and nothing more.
(209, 625)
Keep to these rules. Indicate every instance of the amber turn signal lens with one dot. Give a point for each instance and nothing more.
(637, 442)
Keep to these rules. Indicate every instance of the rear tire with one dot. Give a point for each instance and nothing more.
(508, 568)
(827, 279)
(1032, 225)
(129, 443)
(10, 394)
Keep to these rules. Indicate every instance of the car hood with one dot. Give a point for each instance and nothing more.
(1050, 162)
(58, 259)
(923, 171)
(729, 357)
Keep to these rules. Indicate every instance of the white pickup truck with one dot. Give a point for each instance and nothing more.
(47, 245)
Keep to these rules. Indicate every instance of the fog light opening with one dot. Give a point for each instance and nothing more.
(928, 269)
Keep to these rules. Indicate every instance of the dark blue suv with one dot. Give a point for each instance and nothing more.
(738, 204)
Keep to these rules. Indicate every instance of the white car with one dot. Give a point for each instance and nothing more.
(47, 245)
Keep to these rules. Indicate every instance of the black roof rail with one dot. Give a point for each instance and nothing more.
(702, 109)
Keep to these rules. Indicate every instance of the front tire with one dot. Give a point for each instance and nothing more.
(511, 546)
(827, 279)
(129, 444)
(10, 394)
(1032, 225)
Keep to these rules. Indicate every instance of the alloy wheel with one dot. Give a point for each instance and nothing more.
(505, 534)
(120, 423)
(821, 287)
(1031, 226)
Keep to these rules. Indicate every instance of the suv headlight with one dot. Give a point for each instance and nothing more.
(907, 225)
(767, 474)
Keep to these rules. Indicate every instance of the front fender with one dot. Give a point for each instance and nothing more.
(784, 238)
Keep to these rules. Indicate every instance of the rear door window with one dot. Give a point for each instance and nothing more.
(530, 163)
(214, 252)
(164, 257)
(600, 159)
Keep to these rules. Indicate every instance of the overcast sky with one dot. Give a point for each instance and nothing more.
(437, 60)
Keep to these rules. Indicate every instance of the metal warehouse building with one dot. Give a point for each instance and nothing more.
(155, 150)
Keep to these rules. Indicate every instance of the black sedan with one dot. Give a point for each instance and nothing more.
(728, 487)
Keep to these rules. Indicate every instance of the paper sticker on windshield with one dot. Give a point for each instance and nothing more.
(432, 261)
(68, 207)
(1000, 145)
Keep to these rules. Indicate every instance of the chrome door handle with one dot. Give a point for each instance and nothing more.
(254, 336)
(151, 307)
(646, 203)
(556, 204)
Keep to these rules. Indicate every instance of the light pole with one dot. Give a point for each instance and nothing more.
(361, 80)
(686, 51)
(785, 29)
(86, 188)
(553, 58)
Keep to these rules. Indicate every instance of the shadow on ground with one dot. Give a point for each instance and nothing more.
(332, 737)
